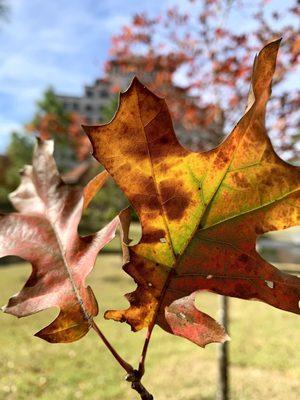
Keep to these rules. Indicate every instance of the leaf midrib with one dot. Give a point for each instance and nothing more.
(178, 258)
(170, 243)
(70, 276)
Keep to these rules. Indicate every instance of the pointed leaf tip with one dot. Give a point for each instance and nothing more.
(140, 87)
(136, 82)
(44, 145)
(93, 186)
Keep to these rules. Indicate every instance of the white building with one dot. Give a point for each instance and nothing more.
(90, 104)
(99, 95)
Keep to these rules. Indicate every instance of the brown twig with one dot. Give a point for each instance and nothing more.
(153, 322)
(144, 351)
(133, 375)
(127, 367)
(136, 384)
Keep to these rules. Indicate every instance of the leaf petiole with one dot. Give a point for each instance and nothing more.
(133, 375)
(141, 369)
(127, 367)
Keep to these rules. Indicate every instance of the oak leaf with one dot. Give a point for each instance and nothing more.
(201, 213)
(44, 232)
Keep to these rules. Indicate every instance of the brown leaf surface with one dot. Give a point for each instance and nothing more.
(201, 213)
(44, 232)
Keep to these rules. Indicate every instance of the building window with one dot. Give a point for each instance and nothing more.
(88, 108)
(89, 93)
(103, 93)
(75, 106)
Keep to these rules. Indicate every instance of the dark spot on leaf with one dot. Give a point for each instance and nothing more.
(147, 201)
(268, 182)
(268, 155)
(249, 267)
(153, 236)
(175, 198)
(164, 167)
(145, 183)
(164, 140)
(259, 230)
(221, 160)
(242, 290)
(139, 150)
(240, 180)
(243, 258)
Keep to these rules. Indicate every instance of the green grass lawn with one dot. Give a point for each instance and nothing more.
(265, 351)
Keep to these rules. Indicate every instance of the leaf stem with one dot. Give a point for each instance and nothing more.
(144, 351)
(133, 375)
(152, 324)
(127, 367)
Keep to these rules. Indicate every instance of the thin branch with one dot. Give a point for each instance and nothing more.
(136, 384)
(127, 367)
(133, 375)
(144, 351)
(153, 322)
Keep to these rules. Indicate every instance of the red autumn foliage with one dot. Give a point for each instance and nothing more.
(202, 46)
(52, 126)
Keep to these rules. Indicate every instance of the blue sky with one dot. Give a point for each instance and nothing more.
(62, 43)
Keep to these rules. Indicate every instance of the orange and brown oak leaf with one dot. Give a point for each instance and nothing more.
(201, 213)
(44, 232)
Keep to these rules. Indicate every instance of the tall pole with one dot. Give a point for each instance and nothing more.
(223, 354)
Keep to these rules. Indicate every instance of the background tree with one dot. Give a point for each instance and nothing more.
(108, 111)
(4, 9)
(51, 120)
(72, 153)
(200, 59)
(19, 153)
(110, 200)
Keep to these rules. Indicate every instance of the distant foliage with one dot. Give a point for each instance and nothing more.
(51, 121)
(198, 54)
(19, 153)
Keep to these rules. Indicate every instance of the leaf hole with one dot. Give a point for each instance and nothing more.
(270, 284)
(135, 232)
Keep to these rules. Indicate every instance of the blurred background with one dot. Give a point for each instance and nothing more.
(63, 64)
